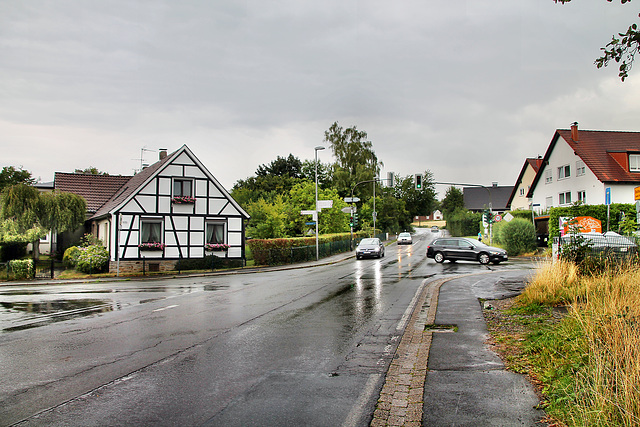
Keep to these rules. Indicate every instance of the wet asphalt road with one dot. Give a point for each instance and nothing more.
(306, 346)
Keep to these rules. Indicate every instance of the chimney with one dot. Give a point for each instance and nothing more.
(494, 184)
(163, 153)
(574, 131)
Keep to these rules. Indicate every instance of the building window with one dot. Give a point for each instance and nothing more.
(522, 192)
(634, 162)
(215, 232)
(582, 196)
(182, 188)
(548, 202)
(548, 178)
(151, 231)
(564, 198)
(564, 172)
(580, 168)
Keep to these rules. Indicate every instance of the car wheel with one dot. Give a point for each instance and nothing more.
(358, 257)
(438, 257)
(483, 258)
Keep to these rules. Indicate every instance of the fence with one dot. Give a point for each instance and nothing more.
(595, 244)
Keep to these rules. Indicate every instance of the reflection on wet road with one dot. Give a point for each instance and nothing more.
(201, 350)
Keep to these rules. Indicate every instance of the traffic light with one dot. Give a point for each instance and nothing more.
(418, 181)
(355, 220)
(488, 217)
(351, 221)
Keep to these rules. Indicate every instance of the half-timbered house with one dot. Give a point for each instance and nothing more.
(174, 209)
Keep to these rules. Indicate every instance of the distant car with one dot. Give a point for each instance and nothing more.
(370, 247)
(434, 229)
(404, 239)
(462, 248)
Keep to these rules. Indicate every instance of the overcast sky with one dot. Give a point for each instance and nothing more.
(466, 89)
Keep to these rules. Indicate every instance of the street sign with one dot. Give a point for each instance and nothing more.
(310, 223)
(307, 212)
(351, 199)
(346, 209)
(497, 218)
(607, 196)
(325, 204)
(508, 217)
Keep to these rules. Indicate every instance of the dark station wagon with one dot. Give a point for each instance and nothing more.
(462, 248)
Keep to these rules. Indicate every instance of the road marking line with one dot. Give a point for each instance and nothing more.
(164, 308)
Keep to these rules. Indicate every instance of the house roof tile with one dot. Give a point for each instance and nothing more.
(96, 189)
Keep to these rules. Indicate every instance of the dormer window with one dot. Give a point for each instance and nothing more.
(634, 162)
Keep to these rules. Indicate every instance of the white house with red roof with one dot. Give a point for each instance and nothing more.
(518, 198)
(579, 165)
(174, 209)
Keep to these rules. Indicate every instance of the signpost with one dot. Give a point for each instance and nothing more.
(607, 201)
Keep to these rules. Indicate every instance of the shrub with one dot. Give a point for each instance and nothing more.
(518, 236)
(21, 268)
(92, 259)
(70, 257)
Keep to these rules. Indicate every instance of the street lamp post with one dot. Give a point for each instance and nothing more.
(317, 216)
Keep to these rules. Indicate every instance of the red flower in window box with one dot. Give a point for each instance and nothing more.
(216, 247)
(183, 200)
(152, 246)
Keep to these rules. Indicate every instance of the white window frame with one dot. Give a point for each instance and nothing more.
(145, 221)
(564, 172)
(564, 198)
(175, 193)
(522, 193)
(548, 176)
(582, 196)
(634, 165)
(549, 202)
(580, 168)
(215, 223)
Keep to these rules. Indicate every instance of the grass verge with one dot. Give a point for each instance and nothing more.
(578, 339)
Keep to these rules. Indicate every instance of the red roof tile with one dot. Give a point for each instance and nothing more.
(96, 189)
(605, 152)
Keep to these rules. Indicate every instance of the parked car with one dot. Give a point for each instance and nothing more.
(462, 248)
(404, 239)
(370, 247)
(434, 229)
(610, 243)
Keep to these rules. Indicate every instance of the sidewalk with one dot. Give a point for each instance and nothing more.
(439, 377)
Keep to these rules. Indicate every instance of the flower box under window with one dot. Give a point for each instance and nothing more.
(216, 247)
(152, 246)
(183, 200)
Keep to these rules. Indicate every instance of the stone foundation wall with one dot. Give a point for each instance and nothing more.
(136, 266)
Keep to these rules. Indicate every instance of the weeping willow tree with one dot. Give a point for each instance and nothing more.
(27, 215)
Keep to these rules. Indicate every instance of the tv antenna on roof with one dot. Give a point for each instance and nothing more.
(141, 159)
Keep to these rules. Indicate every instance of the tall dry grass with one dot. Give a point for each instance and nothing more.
(606, 309)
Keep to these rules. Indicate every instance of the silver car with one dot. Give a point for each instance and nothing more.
(371, 247)
(404, 239)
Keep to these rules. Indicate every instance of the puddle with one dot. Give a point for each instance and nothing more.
(43, 313)
(215, 287)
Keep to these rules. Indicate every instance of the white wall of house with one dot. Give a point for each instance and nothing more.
(520, 199)
(551, 194)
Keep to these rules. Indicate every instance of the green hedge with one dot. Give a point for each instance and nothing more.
(21, 268)
(281, 251)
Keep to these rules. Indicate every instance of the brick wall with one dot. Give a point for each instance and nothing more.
(136, 266)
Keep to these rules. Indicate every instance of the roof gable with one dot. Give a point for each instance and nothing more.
(531, 162)
(605, 153)
(179, 157)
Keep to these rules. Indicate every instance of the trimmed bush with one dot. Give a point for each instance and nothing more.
(92, 259)
(70, 257)
(21, 268)
(518, 236)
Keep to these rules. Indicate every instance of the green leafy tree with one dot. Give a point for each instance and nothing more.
(302, 197)
(268, 219)
(418, 202)
(12, 176)
(91, 170)
(355, 159)
(290, 166)
(621, 49)
(453, 200)
(27, 215)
